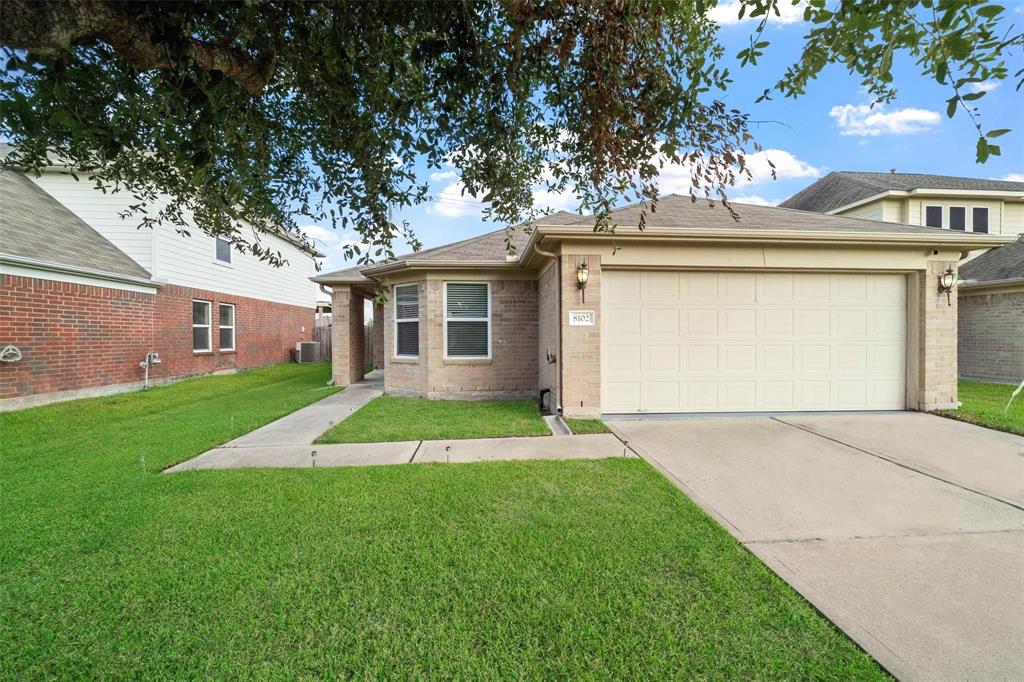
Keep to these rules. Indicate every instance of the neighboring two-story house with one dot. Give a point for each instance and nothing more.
(86, 295)
(991, 291)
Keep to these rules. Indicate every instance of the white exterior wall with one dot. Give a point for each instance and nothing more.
(186, 261)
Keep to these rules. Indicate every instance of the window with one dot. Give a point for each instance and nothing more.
(223, 250)
(407, 320)
(226, 327)
(200, 326)
(957, 218)
(979, 216)
(933, 216)
(467, 320)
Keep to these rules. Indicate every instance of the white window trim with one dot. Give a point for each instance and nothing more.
(230, 263)
(394, 296)
(942, 216)
(988, 210)
(444, 310)
(232, 326)
(968, 226)
(208, 325)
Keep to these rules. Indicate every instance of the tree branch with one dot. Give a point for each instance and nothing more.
(50, 29)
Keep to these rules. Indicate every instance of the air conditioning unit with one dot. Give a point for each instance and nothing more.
(308, 351)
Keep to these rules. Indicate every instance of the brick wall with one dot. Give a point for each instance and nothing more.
(547, 334)
(991, 336)
(75, 337)
(581, 345)
(510, 372)
(265, 332)
(71, 336)
(937, 320)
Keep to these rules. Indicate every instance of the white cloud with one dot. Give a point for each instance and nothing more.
(727, 13)
(451, 202)
(1013, 177)
(440, 176)
(676, 178)
(985, 86)
(863, 120)
(755, 199)
(324, 235)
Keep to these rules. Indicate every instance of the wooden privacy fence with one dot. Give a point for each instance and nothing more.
(322, 334)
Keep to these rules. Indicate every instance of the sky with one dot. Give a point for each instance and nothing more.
(829, 128)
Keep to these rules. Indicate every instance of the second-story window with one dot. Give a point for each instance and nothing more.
(957, 218)
(223, 250)
(979, 218)
(933, 216)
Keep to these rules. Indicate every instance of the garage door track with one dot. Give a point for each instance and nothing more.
(905, 529)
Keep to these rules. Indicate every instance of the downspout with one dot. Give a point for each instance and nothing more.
(328, 292)
(557, 393)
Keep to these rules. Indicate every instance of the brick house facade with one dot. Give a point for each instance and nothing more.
(805, 311)
(83, 303)
(75, 337)
(991, 335)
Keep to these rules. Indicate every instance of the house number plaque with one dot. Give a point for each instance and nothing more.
(581, 318)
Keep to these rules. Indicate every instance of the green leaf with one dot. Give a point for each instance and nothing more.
(997, 133)
(990, 11)
(951, 106)
(982, 150)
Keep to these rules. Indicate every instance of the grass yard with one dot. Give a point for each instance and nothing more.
(584, 426)
(983, 404)
(495, 570)
(390, 418)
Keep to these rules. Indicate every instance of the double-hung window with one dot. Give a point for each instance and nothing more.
(958, 218)
(226, 328)
(979, 219)
(933, 216)
(222, 250)
(407, 320)
(467, 320)
(200, 326)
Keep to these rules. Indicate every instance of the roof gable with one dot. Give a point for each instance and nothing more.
(34, 225)
(842, 188)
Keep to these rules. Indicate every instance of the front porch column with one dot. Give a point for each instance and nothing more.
(937, 330)
(378, 336)
(348, 336)
(581, 344)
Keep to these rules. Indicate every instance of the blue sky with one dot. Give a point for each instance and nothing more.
(829, 128)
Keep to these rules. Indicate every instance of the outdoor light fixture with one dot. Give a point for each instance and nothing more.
(946, 282)
(582, 275)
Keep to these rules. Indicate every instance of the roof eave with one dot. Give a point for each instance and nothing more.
(50, 266)
(440, 265)
(969, 241)
(925, 192)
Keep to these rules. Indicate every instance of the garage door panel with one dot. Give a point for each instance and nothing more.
(707, 342)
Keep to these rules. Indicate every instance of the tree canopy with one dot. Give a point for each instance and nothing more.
(249, 115)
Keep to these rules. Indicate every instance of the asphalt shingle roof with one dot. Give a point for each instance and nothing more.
(1006, 262)
(672, 212)
(675, 211)
(35, 225)
(842, 188)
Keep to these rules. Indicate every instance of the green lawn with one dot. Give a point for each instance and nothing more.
(495, 570)
(391, 418)
(983, 404)
(583, 426)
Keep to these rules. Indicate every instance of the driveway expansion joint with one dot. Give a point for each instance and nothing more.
(900, 464)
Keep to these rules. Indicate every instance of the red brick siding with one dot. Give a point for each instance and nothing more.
(71, 336)
(77, 336)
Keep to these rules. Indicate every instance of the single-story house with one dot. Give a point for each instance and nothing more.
(780, 310)
(991, 293)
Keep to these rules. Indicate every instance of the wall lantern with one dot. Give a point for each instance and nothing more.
(582, 275)
(947, 281)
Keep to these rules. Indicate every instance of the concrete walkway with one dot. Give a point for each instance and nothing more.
(288, 442)
(904, 529)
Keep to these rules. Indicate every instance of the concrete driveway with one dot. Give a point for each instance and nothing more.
(905, 529)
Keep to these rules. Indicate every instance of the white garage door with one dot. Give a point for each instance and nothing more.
(742, 342)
